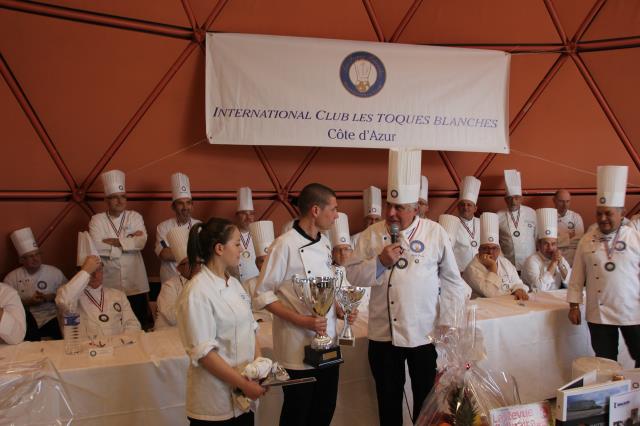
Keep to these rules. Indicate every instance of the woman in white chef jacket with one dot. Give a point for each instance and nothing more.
(217, 328)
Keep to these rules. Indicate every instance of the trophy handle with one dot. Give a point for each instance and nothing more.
(298, 289)
(339, 273)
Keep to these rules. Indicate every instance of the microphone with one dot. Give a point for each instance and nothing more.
(395, 230)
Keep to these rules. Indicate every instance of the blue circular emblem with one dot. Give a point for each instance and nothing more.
(362, 74)
(416, 246)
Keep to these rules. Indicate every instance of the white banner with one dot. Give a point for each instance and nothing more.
(271, 90)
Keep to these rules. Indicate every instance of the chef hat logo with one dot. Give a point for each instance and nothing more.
(394, 193)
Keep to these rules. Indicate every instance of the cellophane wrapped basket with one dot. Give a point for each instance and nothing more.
(464, 393)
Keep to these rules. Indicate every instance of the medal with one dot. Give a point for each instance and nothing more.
(472, 233)
(98, 304)
(417, 246)
(402, 263)
(618, 245)
(515, 221)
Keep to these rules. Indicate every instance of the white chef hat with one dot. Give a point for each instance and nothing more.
(403, 184)
(113, 182)
(489, 228)
(547, 223)
(245, 200)
(262, 235)
(424, 188)
(612, 185)
(24, 241)
(340, 230)
(513, 182)
(86, 247)
(372, 201)
(470, 189)
(180, 186)
(177, 238)
(450, 224)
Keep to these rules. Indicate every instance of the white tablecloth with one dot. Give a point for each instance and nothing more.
(145, 382)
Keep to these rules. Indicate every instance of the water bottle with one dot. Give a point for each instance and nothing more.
(71, 332)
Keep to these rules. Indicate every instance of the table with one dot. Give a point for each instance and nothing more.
(145, 382)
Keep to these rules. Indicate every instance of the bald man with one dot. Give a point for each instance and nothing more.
(570, 225)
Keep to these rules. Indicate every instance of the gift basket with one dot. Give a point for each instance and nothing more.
(464, 393)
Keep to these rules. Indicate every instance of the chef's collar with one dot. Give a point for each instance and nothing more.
(296, 226)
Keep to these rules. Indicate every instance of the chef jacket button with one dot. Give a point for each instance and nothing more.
(595, 264)
(392, 302)
(301, 250)
(395, 319)
(390, 286)
(308, 272)
(384, 238)
(597, 278)
(599, 291)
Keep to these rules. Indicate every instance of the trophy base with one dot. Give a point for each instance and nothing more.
(347, 341)
(320, 358)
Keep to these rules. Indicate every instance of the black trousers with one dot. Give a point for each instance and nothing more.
(51, 329)
(140, 307)
(604, 340)
(387, 364)
(311, 404)
(245, 419)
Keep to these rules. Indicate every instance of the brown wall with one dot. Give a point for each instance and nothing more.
(90, 86)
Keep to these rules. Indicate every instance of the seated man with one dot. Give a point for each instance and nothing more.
(12, 320)
(102, 310)
(262, 235)
(546, 269)
(177, 239)
(36, 285)
(490, 274)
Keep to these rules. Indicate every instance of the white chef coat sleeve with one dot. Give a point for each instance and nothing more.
(134, 243)
(365, 270)
(159, 240)
(481, 280)
(12, 279)
(13, 323)
(130, 323)
(272, 274)
(453, 289)
(578, 274)
(579, 226)
(535, 275)
(99, 232)
(167, 300)
(518, 284)
(197, 327)
(68, 294)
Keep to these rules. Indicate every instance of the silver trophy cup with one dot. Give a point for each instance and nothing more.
(349, 297)
(318, 294)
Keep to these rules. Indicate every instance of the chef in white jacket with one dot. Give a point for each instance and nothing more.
(303, 250)
(245, 215)
(546, 269)
(490, 274)
(570, 225)
(182, 206)
(119, 235)
(372, 204)
(216, 328)
(36, 283)
(517, 223)
(262, 235)
(467, 238)
(177, 239)
(12, 320)
(423, 198)
(103, 311)
(607, 263)
(414, 282)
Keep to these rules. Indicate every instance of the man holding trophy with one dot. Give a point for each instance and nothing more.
(304, 332)
(415, 284)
